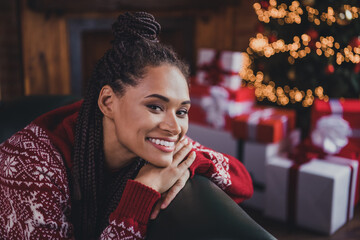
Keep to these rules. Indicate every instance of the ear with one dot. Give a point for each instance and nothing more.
(106, 101)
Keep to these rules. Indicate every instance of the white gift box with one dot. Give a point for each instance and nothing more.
(219, 140)
(230, 63)
(229, 60)
(256, 155)
(276, 192)
(229, 81)
(324, 195)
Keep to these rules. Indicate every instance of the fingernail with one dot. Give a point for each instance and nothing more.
(186, 141)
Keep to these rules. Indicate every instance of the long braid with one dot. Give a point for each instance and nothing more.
(135, 47)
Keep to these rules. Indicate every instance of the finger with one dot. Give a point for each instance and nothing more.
(181, 144)
(181, 154)
(157, 208)
(174, 190)
(155, 211)
(184, 165)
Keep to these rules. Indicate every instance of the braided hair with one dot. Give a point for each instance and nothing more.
(135, 47)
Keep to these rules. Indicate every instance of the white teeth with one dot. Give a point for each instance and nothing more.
(162, 142)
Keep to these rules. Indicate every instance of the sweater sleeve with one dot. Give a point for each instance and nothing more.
(224, 170)
(130, 218)
(35, 198)
(34, 194)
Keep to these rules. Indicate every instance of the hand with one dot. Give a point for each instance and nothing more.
(167, 197)
(162, 179)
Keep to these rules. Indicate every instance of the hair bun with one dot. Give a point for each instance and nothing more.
(136, 25)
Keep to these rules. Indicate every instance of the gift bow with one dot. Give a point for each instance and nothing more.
(254, 119)
(218, 105)
(214, 70)
(331, 133)
(305, 152)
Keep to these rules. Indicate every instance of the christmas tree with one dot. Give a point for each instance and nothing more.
(305, 50)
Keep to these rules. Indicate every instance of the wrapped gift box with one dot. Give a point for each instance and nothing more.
(338, 121)
(219, 68)
(256, 155)
(265, 125)
(348, 109)
(317, 195)
(216, 106)
(231, 81)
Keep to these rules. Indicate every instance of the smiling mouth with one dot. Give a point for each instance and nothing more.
(162, 143)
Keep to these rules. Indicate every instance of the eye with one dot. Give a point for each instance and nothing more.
(182, 112)
(155, 108)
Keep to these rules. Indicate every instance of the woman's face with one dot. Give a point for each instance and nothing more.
(151, 117)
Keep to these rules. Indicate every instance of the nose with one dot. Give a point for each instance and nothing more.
(170, 124)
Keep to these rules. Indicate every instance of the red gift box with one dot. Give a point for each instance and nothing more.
(348, 109)
(216, 106)
(265, 125)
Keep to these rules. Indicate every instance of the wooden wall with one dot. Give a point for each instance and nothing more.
(46, 47)
(11, 77)
(45, 53)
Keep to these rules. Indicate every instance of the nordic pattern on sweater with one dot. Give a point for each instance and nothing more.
(221, 177)
(34, 188)
(35, 199)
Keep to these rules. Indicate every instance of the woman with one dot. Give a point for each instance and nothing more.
(102, 167)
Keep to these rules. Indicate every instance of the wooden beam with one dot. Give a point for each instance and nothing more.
(114, 5)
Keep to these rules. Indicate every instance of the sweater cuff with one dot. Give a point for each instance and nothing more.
(201, 165)
(136, 202)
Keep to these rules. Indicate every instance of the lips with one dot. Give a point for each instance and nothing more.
(163, 145)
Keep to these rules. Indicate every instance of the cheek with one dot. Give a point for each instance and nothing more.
(184, 126)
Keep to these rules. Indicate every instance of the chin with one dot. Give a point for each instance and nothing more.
(161, 162)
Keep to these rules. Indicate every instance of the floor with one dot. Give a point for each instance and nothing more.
(282, 231)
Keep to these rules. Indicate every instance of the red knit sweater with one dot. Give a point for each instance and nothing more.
(34, 192)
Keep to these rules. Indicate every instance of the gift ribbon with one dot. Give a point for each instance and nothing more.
(215, 71)
(239, 108)
(300, 155)
(350, 185)
(355, 133)
(254, 119)
(303, 154)
(284, 120)
(331, 133)
(217, 105)
(257, 116)
(336, 107)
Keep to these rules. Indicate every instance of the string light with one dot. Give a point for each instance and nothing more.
(282, 96)
(329, 17)
(293, 15)
(294, 12)
(297, 49)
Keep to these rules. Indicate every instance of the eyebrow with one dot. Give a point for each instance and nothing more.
(165, 99)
